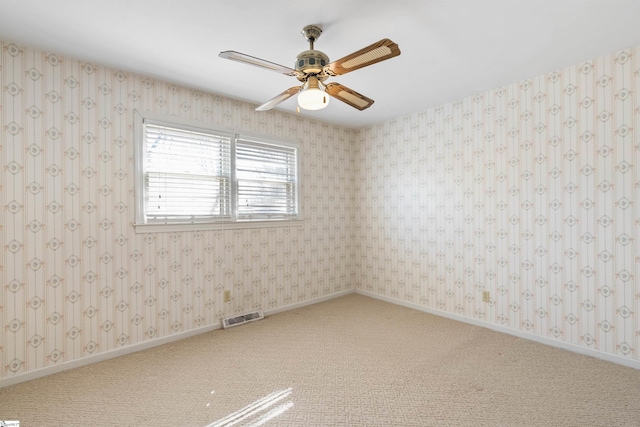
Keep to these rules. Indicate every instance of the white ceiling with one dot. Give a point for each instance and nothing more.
(450, 48)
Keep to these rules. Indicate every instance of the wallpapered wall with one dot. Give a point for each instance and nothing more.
(529, 191)
(76, 278)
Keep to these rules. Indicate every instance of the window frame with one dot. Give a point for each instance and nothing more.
(141, 225)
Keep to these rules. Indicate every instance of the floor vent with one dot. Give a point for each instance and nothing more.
(230, 322)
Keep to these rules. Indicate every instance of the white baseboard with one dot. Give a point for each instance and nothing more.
(110, 354)
(614, 358)
(88, 360)
(309, 302)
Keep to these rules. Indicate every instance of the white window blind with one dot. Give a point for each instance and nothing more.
(190, 177)
(266, 177)
(187, 175)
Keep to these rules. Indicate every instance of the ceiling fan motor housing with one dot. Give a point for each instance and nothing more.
(311, 62)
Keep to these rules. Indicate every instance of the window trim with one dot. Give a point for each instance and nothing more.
(139, 223)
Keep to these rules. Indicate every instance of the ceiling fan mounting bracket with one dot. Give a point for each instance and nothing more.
(311, 33)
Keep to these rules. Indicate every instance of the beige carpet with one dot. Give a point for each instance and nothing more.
(351, 361)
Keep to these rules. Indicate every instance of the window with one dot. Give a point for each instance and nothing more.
(265, 180)
(189, 174)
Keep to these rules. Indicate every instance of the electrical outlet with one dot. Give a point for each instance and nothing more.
(486, 297)
(227, 296)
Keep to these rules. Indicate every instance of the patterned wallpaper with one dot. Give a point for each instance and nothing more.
(76, 278)
(529, 191)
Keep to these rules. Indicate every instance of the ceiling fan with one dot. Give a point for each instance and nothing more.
(312, 68)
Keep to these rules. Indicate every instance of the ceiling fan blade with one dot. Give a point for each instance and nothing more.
(380, 51)
(251, 60)
(349, 96)
(279, 98)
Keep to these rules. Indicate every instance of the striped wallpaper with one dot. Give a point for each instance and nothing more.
(527, 191)
(77, 280)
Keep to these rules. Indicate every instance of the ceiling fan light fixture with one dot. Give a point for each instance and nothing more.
(312, 96)
(312, 68)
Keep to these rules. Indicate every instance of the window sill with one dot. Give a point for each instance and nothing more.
(170, 228)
